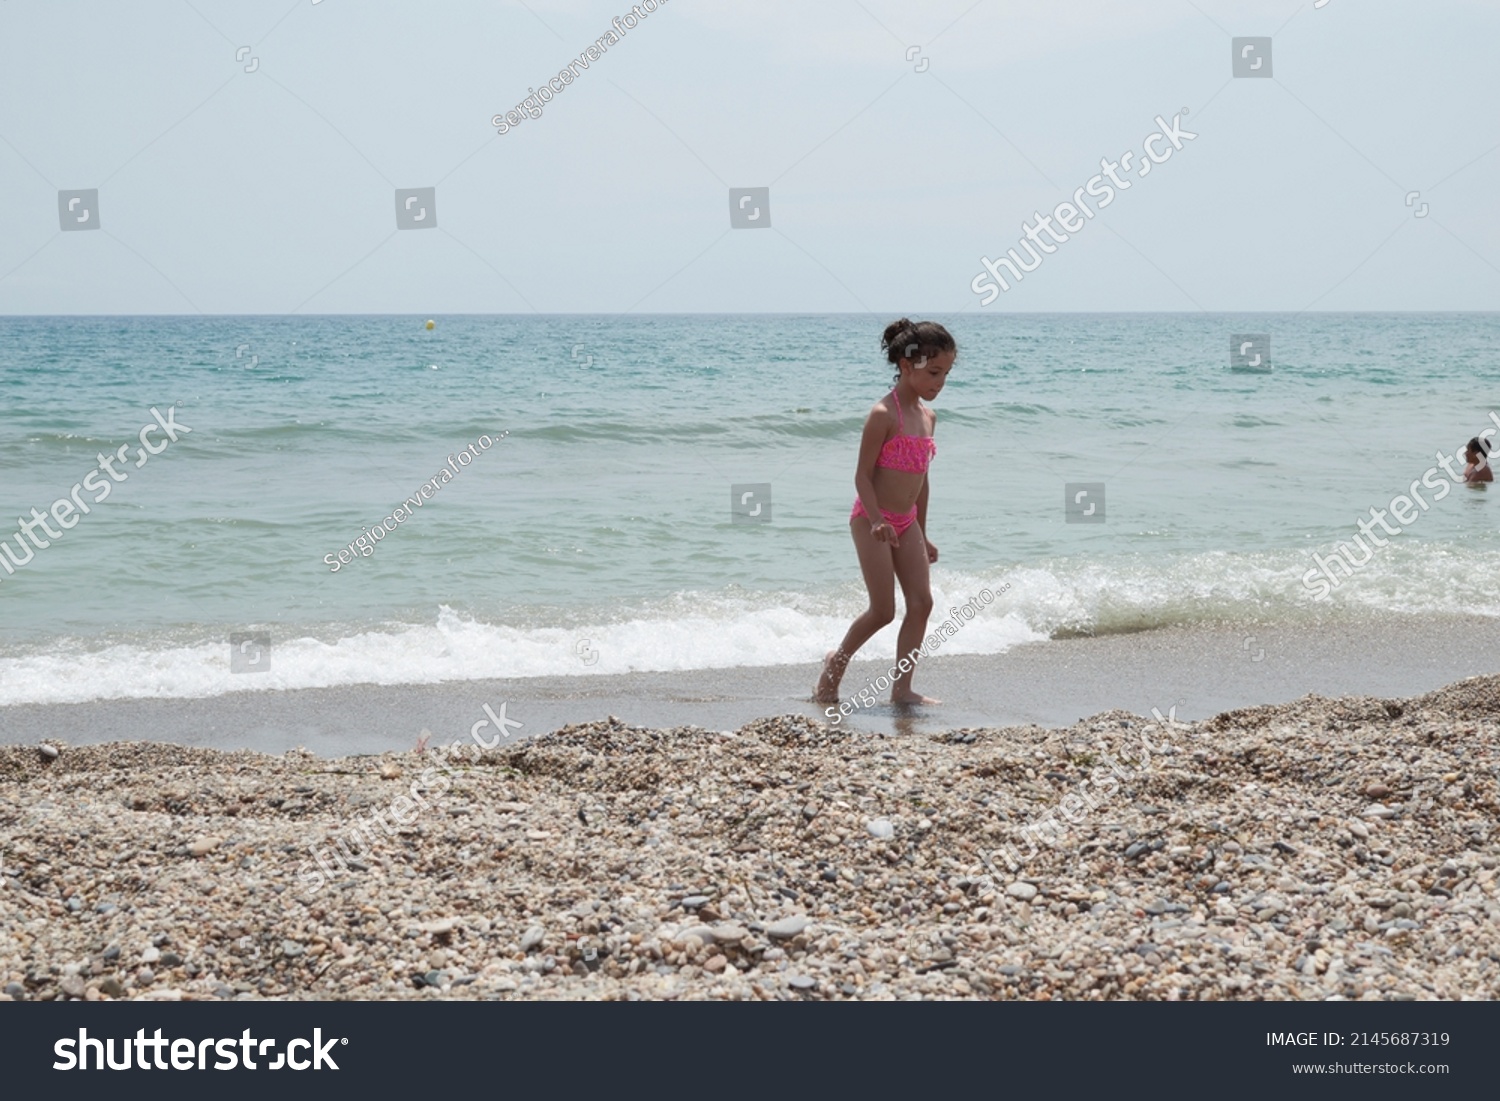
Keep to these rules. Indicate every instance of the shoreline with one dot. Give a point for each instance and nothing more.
(1200, 671)
(1315, 849)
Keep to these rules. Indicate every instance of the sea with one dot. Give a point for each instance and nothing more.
(672, 492)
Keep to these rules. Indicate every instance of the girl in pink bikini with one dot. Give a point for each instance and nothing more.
(889, 521)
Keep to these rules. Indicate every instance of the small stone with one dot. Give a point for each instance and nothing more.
(145, 977)
(1135, 850)
(728, 933)
(1377, 790)
(48, 751)
(1024, 891)
(204, 845)
(291, 949)
(881, 829)
(787, 927)
(1359, 830)
(1401, 910)
(171, 959)
(112, 987)
(801, 982)
(532, 938)
(715, 964)
(72, 986)
(105, 908)
(151, 955)
(15, 991)
(389, 771)
(692, 902)
(112, 952)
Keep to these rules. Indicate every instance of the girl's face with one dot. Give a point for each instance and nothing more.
(927, 374)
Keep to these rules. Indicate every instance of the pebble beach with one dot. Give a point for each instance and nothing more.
(1320, 849)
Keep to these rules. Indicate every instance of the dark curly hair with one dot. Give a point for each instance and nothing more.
(907, 339)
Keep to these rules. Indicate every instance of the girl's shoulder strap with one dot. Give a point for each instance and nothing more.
(900, 419)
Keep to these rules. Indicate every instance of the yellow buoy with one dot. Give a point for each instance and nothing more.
(431, 325)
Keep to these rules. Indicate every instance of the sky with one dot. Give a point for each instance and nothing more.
(247, 156)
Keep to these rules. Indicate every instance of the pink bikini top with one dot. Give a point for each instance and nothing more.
(903, 452)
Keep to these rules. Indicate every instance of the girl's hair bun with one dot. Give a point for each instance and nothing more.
(893, 331)
(915, 339)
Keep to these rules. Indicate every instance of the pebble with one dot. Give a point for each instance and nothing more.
(532, 938)
(48, 751)
(801, 982)
(204, 845)
(692, 902)
(787, 927)
(1022, 890)
(881, 829)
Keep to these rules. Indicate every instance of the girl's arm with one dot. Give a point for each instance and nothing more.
(922, 505)
(870, 444)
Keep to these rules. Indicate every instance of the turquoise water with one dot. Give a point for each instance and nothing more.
(597, 536)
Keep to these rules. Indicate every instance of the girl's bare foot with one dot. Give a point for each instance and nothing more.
(912, 697)
(834, 664)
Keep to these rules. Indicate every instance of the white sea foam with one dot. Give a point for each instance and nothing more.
(724, 630)
(715, 634)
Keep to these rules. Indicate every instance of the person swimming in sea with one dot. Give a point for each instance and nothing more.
(1478, 469)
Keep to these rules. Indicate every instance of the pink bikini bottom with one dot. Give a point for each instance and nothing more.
(898, 520)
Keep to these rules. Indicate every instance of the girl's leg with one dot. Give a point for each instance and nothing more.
(880, 579)
(910, 562)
